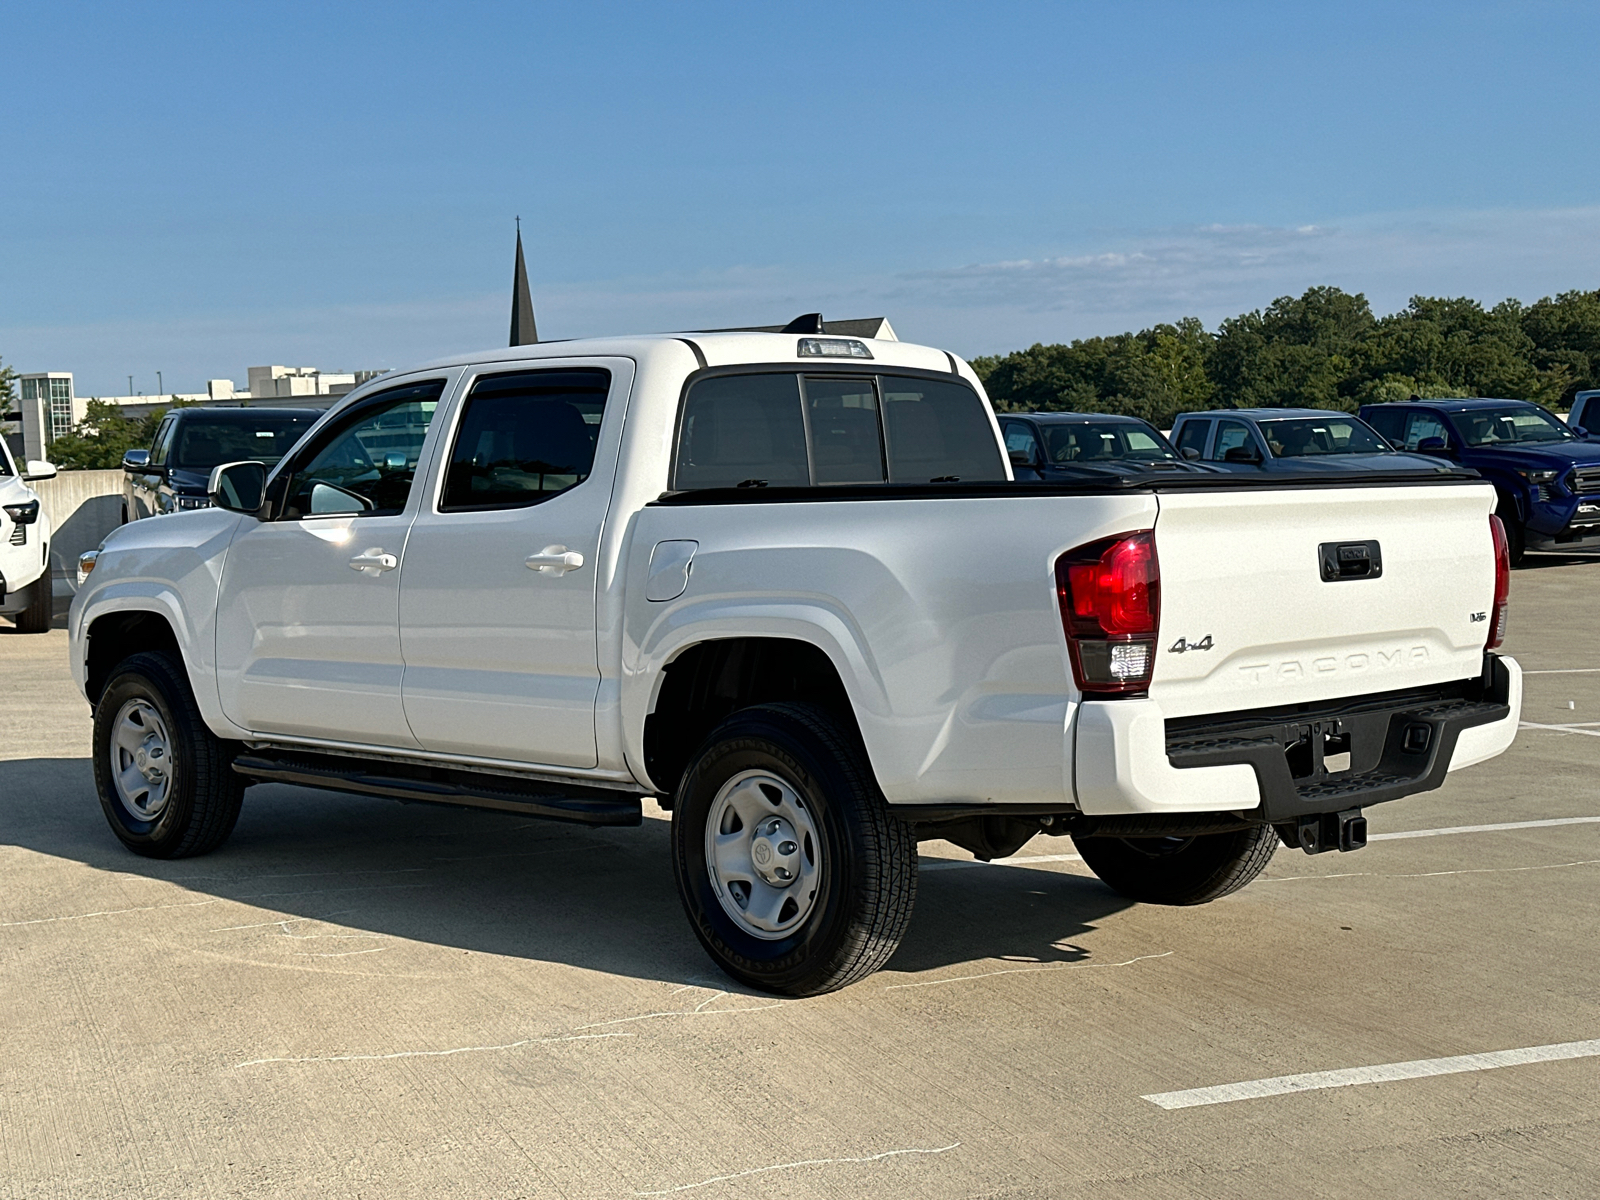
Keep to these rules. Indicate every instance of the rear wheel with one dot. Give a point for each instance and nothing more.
(166, 782)
(1180, 870)
(1516, 537)
(794, 875)
(39, 614)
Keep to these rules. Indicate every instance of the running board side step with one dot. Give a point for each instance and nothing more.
(426, 784)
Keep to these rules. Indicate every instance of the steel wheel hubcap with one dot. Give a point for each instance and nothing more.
(763, 854)
(141, 760)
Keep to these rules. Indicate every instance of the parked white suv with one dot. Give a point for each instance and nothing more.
(786, 585)
(24, 545)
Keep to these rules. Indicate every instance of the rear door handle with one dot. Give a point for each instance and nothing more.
(554, 560)
(374, 561)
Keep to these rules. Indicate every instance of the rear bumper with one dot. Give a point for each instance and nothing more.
(1272, 764)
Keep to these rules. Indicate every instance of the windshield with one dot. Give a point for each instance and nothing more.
(1104, 441)
(206, 442)
(1304, 437)
(1510, 423)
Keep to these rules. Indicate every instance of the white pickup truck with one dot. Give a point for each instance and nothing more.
(785, 585)
(25, 594)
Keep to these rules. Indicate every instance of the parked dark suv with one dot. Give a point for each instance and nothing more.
(172, 475)
(1052, 445)
(1547, 477)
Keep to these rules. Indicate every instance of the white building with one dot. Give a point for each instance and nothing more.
(49, 406)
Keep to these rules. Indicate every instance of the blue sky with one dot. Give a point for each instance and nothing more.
(198, 188)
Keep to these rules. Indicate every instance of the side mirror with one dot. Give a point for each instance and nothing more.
(1580, 431)
(1021, 458)
(1190, 453)
(1433, 445)
(135, 460)
(38, 469)
(238, 487)
(1242, 454)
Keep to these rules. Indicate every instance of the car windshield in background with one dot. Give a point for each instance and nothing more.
(1513, 423)
(204, 442)
(1104, 441)
(1307, 437)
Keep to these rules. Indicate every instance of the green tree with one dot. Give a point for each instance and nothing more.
(106, 433)
(1565, 333)
(1457, 347)
(1303, 351)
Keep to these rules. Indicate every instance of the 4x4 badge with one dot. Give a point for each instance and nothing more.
(1179, 646)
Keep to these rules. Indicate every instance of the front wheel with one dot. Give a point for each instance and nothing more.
(794, 874)
(166, 782)
(1180, 870)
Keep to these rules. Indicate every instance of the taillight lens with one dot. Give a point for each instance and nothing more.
(1502, 582)
(1110, 594)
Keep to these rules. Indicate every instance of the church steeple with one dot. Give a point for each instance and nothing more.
(523, 330)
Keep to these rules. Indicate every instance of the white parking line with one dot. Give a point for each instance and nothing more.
(1383, 1073)
(1416, 833)
(1558, 728)
(1566, 671)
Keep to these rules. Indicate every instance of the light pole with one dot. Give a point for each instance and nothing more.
(161, 388)
(130, 385)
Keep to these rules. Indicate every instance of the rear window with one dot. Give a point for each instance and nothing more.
(206, 442)
(782, 429)
(1105, 441)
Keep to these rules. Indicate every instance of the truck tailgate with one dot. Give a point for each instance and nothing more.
(1248, 620)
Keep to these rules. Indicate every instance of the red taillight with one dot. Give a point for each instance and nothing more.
(1502, 583)
(1110, 593)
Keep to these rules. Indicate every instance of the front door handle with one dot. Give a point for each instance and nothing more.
(374, 562)
(554, 560)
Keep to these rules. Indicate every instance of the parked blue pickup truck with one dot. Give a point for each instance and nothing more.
(1547, 476)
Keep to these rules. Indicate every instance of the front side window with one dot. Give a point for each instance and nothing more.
(1420, 425)
(1020, 439)
(525, 437)
(1308, 437)
(782, 429)
(1230, 436)
(206, 442)
(1193, 437)
(1512, 423)
(162, 445)
(364, 463)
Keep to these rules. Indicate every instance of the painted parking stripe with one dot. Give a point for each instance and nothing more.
(1025, 860)
(1422, 1068)
(1544, 824)
(1566, 671)
(1558, 728)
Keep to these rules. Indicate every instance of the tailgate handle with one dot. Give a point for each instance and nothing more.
(1350, 560)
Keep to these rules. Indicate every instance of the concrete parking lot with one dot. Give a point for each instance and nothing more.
(360, 998)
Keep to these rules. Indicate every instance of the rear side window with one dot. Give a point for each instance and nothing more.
(1387, 422)
(793, 430)
(1020, 440)
(1193, 436)
(525, 437)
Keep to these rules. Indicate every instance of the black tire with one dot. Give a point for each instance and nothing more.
(203, 794)
(40, 613)
(865, 867)
(1193, 870)
(1516, 537)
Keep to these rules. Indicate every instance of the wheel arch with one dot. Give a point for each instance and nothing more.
(113, 636)
(706, 681)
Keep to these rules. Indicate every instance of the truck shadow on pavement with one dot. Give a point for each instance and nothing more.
(599, 899)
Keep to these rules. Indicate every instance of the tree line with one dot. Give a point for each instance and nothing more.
(1324, 349)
